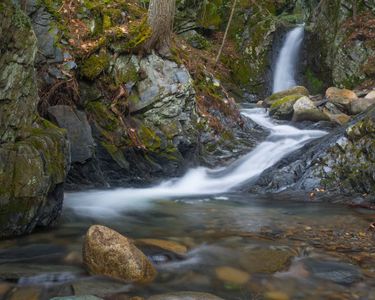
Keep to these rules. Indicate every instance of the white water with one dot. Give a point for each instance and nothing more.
(283, 140)
(284, 77)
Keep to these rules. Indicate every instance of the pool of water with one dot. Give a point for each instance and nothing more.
(240, 246)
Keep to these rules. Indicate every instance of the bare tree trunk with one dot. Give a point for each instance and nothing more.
(226, 31)
(160, 18)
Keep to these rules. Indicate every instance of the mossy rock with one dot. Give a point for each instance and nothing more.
(282, 109)
(94, 66)
(298, 90)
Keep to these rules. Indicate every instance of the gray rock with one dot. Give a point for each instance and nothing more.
(305, 110)
(336, 272)
(361, 105)
(84, 297)
(33, 153)
(79, 131)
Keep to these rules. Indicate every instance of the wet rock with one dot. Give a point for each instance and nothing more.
(185, 296)
(33, 272)
(341, 97)
(276, 296)
(30, 252)
(339, 118)
(305, 110)
(4, 288)
(84, 297)
(79, 131)
(265, 260)
(99, 287)
(232, 275)
(163, 244)
(108, 253)
(29, 293)
(298, 90)
(339, 163)
(337, 272)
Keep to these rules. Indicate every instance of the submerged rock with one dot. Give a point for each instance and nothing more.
(108, 253)
(164, 245)
(185, 296)
(232, 275)
(337, 272)
(265, 260)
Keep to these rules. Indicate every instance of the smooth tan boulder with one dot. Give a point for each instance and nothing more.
(108, 253)
(341, 97)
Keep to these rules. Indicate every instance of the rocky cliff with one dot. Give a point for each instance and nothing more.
(34, 154)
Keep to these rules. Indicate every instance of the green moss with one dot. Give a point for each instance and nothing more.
(285, 100)
(315, 85)
(94, 66)
(211, 14)
(149, 138)
(138, 34)
(103, 115)
(198, 41)
(20, 20)
(116, 154)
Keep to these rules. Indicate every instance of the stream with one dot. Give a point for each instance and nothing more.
(240, 246)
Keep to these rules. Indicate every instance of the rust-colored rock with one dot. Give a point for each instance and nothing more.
(108, 253)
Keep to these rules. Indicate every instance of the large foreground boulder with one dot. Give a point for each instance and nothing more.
(108, 253)
(34, 154)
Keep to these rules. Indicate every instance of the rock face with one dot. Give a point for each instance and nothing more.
(108, 253)
(82, 144)
(34, 154)
(341, 47)
(341, 163)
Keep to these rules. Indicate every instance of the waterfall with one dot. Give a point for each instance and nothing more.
(283, 140)
(284, 76)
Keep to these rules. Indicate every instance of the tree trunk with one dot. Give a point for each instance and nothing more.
(226, 32)
(160, 18)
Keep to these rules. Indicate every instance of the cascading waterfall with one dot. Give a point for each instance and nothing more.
(284, 76)
(283, 140)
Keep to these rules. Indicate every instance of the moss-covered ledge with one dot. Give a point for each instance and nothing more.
(34, 154)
